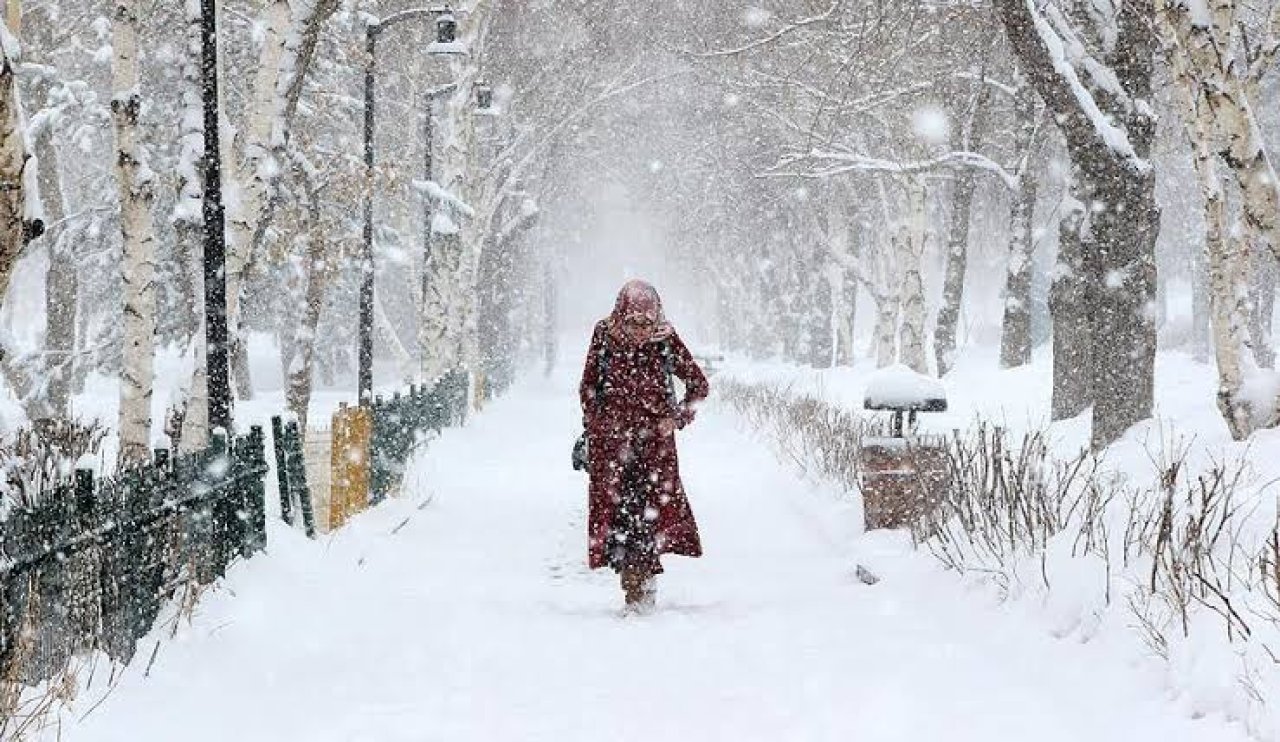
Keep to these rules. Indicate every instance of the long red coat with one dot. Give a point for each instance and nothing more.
(626, 421)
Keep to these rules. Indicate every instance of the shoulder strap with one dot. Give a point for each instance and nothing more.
(602, 370)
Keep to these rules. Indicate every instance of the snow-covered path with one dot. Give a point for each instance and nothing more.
(477, 619)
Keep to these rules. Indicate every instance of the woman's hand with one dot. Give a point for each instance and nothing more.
(682, 417)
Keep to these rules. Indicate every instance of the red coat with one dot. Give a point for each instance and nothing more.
(635, 401)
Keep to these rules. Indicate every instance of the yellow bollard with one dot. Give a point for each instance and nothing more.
(350, 463)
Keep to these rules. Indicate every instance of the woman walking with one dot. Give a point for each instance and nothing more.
(638, 508)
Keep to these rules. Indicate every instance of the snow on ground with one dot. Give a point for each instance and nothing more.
(464, 610)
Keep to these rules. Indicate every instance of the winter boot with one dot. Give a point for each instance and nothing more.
(633, 583)
(648, 595)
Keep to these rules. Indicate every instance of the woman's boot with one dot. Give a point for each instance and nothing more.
(648, 594)
(633, 585)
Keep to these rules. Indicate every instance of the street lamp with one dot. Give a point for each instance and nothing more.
(445, 44)
(214, 217)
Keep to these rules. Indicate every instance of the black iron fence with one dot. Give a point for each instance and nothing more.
(400, 422)
(89, 566)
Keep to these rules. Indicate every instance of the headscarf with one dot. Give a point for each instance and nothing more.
(638, 297)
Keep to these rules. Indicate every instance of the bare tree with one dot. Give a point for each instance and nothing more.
(1102, 107)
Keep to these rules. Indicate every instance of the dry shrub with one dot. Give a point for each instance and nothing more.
(36, 459)
(820, 438)
(1184, 543)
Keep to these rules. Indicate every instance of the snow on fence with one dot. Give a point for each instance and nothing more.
(88, 567)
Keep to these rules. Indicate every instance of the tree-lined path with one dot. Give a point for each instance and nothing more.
(463, 610)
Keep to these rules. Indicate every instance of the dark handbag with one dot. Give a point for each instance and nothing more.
(580, 456)
(581, 449)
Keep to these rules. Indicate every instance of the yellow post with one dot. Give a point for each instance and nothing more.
(13, 16)
(351, 463)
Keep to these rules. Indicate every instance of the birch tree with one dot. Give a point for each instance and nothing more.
(910, 245)
(1217, 83)
(187, 218)
(21, 218)
(136, 182)
(290, 34)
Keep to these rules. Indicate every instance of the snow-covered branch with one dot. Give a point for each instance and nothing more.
(781, 33)
(827, 163)
(1048, 62)
(1269, 49)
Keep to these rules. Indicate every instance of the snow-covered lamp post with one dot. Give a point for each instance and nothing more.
(445, 44)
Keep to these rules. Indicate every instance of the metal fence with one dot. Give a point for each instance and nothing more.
(400, 422)
(89, 566)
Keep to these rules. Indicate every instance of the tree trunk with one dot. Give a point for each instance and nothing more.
(1263, 292)
(18, 225)
(1122, 328)
(189, 233)
(848, 320)
(821, 342)
(135, 180)
(911, 244)
(1111, 152)
(289, 39)
(300, 380)
(62, 277)
(62, 285)
(1015, 336)
(1200, 321)
(957, 256)
(451, 308)
(253, 177)
(1069, 307)
(885, 286)
(957, 262)
(886, 352)
(1209, 118)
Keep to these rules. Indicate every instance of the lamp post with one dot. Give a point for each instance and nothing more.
(215, 245)
(428, 173)
(446, 43)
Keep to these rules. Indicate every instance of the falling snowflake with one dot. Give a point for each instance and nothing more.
(756, 17)
(931, 125)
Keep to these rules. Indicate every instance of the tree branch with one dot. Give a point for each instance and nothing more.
(784, 31)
